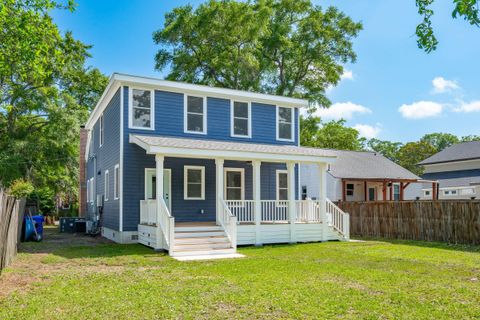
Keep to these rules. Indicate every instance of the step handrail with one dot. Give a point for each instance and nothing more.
(339, 220)
(167, 225)
(229, 223)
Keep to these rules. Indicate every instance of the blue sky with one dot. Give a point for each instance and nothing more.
(394, 91)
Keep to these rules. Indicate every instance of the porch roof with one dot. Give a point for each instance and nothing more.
(203, 148)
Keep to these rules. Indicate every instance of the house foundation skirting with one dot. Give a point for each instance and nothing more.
(124, 237)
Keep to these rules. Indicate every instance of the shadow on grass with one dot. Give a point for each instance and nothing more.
(74, 246)
(428, 244)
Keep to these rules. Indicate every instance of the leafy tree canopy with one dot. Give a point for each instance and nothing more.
(285, 47)
(330, 135)
(387, 148)
(410, 154)
(46, 92)
(469, 10)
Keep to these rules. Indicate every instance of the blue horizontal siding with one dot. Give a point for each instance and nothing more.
(105, 158)
(169, 120)
(452, 174)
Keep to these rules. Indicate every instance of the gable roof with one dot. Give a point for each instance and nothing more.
(457, 152)
(367, 165)
(118, 79)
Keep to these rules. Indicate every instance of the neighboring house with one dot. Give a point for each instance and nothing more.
(359, 176)
(457, 169)
(197, 170)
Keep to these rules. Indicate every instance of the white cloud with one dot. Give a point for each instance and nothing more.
(421, 109)
(367, 131)
(341, 110)
(347, 75)
(473, 106)
(441, 85)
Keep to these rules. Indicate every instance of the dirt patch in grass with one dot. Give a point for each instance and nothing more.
(37, 262)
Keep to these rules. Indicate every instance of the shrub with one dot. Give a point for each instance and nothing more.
(21, 188)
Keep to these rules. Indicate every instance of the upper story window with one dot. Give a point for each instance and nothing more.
(240, 119)
(285, 123)
(142, 115)
(102, 130)
(195, 118)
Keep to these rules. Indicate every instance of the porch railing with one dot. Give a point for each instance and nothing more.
(338, 219)
(308, 211)
(229, 223)
(148, 212)
(275, 211)
(244, 210)
(166, 222)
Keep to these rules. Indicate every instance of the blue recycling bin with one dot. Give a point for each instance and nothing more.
(32, 225)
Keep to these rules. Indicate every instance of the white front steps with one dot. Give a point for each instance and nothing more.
(201, 240)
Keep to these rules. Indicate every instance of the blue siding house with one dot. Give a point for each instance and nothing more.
(199, 170)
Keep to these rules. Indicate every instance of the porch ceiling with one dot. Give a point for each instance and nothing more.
(202, 148)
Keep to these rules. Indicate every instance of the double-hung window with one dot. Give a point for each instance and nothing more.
(285, 123)
(282, 185)
(240, 119)
(116, 182)
(142, 115)
(102, 130)
(350, 189)
(195, 120)
(107, 185)
(234, 184)
(194, 183)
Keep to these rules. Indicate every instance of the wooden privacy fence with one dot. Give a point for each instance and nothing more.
(10, 224)
(446, 221)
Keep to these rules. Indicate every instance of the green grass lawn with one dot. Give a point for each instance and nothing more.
(366, 280)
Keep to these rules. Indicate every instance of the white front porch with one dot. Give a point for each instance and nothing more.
(255, 221)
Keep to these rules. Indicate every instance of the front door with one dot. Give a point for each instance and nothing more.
(151, 186)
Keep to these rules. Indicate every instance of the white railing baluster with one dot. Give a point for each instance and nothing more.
(338, 219)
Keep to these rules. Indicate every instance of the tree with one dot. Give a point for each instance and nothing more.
(467, 9)
(46, 92)
(386, 148)
(440, 140)
(412, 153)
(470, 138)
(330, 135)
(285, 47)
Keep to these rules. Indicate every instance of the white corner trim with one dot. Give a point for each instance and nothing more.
(292, 124)
(185, 114)
(130, 108)
(232, 119)
(120, 165)
(185, 182)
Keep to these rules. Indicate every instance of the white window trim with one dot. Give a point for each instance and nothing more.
(116, 171)
(242, 173)
(130, 108)
(232, 119)
(277, 180)
(292, 129)
(185, 114)
(107, 185)
(346, 190)
(102, 130)
(185, 182)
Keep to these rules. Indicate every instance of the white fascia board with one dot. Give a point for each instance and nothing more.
(224, 93)
(102, 103)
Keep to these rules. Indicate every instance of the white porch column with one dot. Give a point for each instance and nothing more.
(159, 159)
(257, 210)
(219, 184)
(322, 173)
(291, 197)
